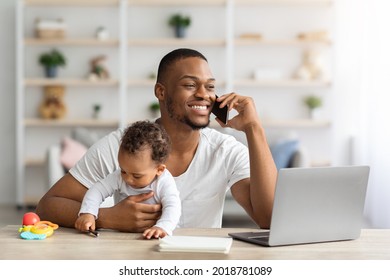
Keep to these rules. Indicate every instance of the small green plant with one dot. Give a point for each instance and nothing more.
(152, 76)
(154, 107)
(180, 23)
(53, 58)
(179, 20)
(313, 101)
(96, 110)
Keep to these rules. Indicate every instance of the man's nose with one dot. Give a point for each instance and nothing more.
(203, 93)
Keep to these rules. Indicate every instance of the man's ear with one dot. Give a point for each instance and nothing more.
(159, 91)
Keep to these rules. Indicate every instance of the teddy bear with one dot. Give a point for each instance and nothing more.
(311, 67)
(53, 106)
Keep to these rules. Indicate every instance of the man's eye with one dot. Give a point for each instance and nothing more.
(189, 86)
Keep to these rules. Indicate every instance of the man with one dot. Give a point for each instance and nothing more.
(204, 162)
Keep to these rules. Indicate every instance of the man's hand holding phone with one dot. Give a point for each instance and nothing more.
(246, 116)
(221, 113)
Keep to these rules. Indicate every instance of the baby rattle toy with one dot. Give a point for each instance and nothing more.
(34, 228)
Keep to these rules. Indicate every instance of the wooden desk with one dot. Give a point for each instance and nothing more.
(69, 244)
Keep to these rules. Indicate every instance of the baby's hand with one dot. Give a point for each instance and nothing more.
(154, 232)
(85, 222)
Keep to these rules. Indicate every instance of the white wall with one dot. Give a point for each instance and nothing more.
(7, 102)
(362, 89)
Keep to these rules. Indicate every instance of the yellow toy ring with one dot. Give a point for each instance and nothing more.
(44, 227)
(54, 226)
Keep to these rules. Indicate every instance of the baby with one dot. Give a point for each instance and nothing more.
(144, 148)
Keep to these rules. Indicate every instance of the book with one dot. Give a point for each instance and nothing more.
(195, 244)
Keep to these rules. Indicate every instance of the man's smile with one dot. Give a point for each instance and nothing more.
(198, 107)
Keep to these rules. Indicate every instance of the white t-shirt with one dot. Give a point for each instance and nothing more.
(219, 162)
(164, 188)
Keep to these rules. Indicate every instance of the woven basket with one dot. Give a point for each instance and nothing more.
(50, 33)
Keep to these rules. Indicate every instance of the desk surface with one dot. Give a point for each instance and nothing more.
(69, 244)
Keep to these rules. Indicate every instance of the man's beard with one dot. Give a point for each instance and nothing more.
(183, 119)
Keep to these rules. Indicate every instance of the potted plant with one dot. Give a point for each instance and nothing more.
(152, 76)
(313, 103)
(51, 61)
(96, 111)
(154, 108)
(179, 22)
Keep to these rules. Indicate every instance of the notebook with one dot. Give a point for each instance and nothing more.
(319, 204)
(195, 244)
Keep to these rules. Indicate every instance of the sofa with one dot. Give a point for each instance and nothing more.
(285, 147)
(62, 156)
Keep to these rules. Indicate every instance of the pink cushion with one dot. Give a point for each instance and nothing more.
(71, 152)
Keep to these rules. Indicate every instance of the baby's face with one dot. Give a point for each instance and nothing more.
(138, 170)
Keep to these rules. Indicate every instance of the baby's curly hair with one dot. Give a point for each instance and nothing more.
(144, 135)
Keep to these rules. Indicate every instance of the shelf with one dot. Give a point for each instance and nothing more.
(71, 42)
(177, 2)
(304, 123)
(70, 82)
(280, 43)
(176, 42)
(76, 3)
(152, 82)
(285, 2)
(142, 82)
(34, 162)
(130, 2)
(70, 123)
(298, 123)
(291, 83)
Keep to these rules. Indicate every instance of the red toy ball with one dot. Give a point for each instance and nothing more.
(30, 218)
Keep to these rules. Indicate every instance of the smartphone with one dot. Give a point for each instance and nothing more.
(221, 113)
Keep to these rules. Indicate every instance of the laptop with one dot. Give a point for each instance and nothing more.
(311, 205)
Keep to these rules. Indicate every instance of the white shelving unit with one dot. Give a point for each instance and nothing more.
(28, 83)
(125, 85)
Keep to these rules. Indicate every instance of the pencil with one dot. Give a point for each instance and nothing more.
(93, 232)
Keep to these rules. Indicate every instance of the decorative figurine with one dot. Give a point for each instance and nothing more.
(98, 69)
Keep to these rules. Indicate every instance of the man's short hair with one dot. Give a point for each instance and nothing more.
(174, 56)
